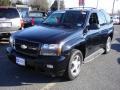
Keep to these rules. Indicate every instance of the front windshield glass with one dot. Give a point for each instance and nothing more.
(54, 19)
(68, 19)
(23, 12)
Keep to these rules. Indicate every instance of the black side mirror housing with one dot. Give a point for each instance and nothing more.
(93, 26)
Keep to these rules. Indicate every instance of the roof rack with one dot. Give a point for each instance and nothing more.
(82, 8)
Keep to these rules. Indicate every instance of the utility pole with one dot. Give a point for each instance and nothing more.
(97, 3)
(113, 7)
(58, 4)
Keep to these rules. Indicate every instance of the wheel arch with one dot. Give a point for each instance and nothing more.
(82, 48)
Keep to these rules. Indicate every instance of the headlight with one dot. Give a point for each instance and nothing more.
(50, 50)
(12, 41)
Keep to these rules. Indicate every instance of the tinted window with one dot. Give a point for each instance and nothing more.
(8, 13)
(93, 19)
(68, 18)
(101, 18)
(74, 17)
(54, 19)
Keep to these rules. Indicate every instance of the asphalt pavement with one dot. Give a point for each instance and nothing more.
(103, 73)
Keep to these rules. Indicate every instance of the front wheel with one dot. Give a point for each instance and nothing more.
(74, 66)
(108, 45)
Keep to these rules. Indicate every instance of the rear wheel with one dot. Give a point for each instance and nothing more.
(74, 66)
(108, 45)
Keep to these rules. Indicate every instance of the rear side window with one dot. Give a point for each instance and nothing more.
(102, 19)
(8, 13)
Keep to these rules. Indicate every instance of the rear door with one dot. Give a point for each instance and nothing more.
(106, 26)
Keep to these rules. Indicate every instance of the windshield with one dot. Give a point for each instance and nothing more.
(23, 12)
(8, 13)
(54, 19)
(69, 19)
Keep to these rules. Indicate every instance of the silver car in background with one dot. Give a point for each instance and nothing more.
(11, 20)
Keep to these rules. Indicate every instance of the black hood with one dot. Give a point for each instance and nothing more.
(43, 34)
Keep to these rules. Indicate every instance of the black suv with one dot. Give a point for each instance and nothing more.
(63, 42)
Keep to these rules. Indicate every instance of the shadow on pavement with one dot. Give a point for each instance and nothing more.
(12, 75)
(116, 46)
(118, 60)
(118, 39)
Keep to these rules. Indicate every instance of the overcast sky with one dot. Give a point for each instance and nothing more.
(103, 4)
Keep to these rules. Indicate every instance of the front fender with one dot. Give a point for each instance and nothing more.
(68, 46)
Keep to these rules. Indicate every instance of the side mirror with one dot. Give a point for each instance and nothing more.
(93, 26)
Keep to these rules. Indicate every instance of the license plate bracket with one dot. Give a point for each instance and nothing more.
(5, 24)
(20, 61)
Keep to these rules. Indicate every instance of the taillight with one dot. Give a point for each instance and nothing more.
(22, 23)
(32, 21)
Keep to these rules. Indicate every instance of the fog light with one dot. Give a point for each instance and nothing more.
(49, 66)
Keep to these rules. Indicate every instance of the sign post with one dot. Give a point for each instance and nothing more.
(82, 3)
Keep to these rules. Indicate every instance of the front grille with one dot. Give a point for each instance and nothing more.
(33, 48)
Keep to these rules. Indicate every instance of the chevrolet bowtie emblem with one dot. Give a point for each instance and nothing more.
(23, 46)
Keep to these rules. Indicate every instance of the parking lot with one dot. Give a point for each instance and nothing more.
(103, 73)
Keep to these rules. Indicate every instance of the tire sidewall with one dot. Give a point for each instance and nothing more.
(106, 51)
(73, 54)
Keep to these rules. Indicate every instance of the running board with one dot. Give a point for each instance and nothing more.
(94, 55)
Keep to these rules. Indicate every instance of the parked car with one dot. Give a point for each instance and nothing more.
(11, 20)
(116, 19)
(24, 12)
(63, 42)
(37, 17)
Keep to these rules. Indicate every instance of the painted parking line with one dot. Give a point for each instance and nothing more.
(50, 85)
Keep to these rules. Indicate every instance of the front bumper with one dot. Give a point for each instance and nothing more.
(59, 63)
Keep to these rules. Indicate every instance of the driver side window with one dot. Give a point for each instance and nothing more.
(93, 22)
(93, 19)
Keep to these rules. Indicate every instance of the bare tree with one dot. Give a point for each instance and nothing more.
(19, 2)
(119, 15)
(39, 4)
(62, 4)
(54, 6)
(5, 2)
(56, 3)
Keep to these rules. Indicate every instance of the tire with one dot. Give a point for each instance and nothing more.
(0, 38)
(74, 65)
(108, 45)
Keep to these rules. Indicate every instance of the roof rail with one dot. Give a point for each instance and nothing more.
(82, 8)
